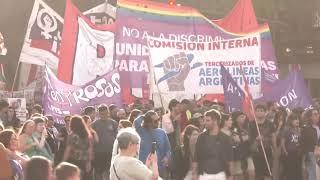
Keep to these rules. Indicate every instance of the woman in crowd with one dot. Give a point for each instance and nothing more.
(291, 147)
(5, 167)
(39, 136)
(190, 135)
(150, 134)
(27, 145)
(38, 168)
(79, 149)
(242, 155)
(129, 142)
(10, 141)
(280, 126)
(134, 114)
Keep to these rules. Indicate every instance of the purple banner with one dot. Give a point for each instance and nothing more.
(290, 92)
(62, 99)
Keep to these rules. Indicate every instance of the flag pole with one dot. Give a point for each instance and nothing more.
(155, 81)
(255, 120)
(261, 143)
(15, 77)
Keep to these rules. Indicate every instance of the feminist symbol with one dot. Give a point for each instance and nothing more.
(48, 25)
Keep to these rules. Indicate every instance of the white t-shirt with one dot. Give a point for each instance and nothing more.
(129, 168)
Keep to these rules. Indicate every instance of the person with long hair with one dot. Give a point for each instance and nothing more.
(10, 141)
(78, 150)
(190, 136)
(26, 142)
(290, 144)
(242, 157)
(5, 166)
(134, 114)
(146, 127)
(38, 168)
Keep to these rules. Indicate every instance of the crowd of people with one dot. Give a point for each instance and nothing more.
(190, 141)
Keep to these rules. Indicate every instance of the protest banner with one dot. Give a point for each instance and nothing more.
(194, 67)
(20, 107)
(62, 99)
(138, 19)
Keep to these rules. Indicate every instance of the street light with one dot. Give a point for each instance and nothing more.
(171, 2)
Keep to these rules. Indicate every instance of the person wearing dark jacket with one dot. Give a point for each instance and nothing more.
(309, 141)
(213, 151)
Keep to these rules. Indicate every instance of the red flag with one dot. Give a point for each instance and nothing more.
(241, 19)
(247, 105)
(87, 49)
